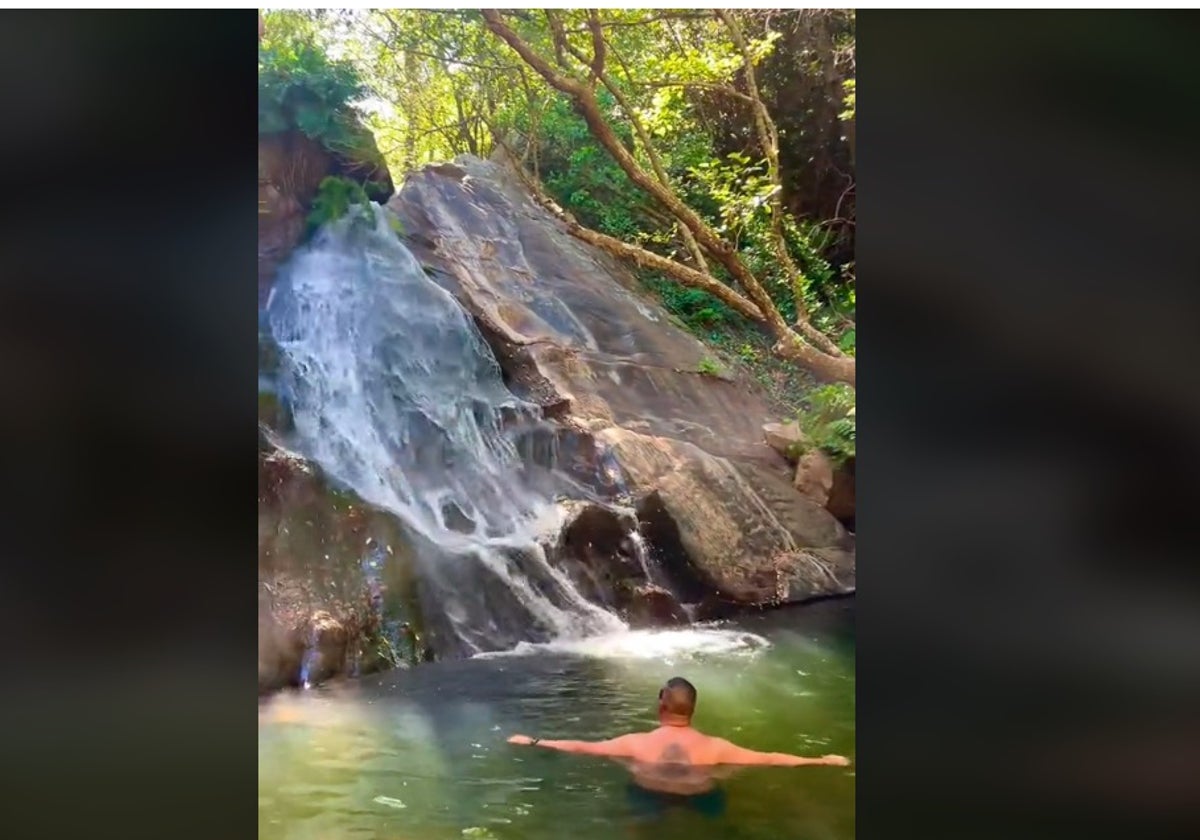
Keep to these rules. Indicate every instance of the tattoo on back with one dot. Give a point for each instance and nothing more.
(675, 756)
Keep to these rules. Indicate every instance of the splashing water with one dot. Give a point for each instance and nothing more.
(663, 645)
(395, 394)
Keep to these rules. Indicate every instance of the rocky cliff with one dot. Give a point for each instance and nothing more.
(633, 419)
(574, 333)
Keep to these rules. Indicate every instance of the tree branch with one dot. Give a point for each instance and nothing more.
(768, 139)
(557, 35)
(639, 128)
(598, 44)
(790, 344)
(639, 256)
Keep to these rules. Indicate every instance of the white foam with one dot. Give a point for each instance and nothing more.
(666, 645)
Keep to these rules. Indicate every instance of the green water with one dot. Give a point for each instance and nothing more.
(421, 754)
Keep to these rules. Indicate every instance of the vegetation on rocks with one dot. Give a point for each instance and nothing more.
(828, 421)
(711, 149)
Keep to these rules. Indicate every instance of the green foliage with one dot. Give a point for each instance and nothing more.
(849, 101)
(699, 311)
(709, 367)
(829, 422)
(748, 353)
(300, 88)
(337, 196)
(442, 84)
(846, 342)
(581, 176)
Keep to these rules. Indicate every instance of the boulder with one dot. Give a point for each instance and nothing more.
(828, 483)
(784, 438)
(737, 529)
(653, 606)
(575, 333)
(596, 550)
(814, 476)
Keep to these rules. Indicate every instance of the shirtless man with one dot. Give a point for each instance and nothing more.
(675, 758)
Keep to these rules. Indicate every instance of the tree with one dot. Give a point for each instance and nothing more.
(676, 140)
(579, 80)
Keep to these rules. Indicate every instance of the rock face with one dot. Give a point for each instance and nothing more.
(334, 584)
(574, 334)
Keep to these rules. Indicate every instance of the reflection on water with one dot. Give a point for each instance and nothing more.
(422, 754)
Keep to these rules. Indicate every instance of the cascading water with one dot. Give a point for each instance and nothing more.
(394, 392)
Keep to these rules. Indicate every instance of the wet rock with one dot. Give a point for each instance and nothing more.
(279, 652)
(456, 520)
(325, 655)
(335, 577)
(654, 606)
(598, 549)
(595, 551)
(575, 334)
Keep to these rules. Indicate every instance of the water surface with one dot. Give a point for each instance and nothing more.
(421, 754)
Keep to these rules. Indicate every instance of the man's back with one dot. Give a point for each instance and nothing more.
(675, 745)
(673, 759)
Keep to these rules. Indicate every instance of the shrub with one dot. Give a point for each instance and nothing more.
(829, 422)
(335, 196)
(300, 88)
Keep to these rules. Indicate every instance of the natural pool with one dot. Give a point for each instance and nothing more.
(421, 754)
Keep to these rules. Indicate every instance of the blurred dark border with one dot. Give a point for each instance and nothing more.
(1028, 617)
(127, 373)
(1028, 641)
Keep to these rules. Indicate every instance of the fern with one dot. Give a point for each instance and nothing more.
(829, 423)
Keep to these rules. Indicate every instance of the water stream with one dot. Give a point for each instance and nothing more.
(395, 394)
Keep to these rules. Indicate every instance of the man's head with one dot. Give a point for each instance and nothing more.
(677, 699)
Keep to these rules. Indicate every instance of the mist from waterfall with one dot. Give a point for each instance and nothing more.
(395, 394)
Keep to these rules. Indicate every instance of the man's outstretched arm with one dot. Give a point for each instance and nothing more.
(729, 753)
(615, 747)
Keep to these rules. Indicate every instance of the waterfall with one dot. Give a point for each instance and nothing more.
(395, 394)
